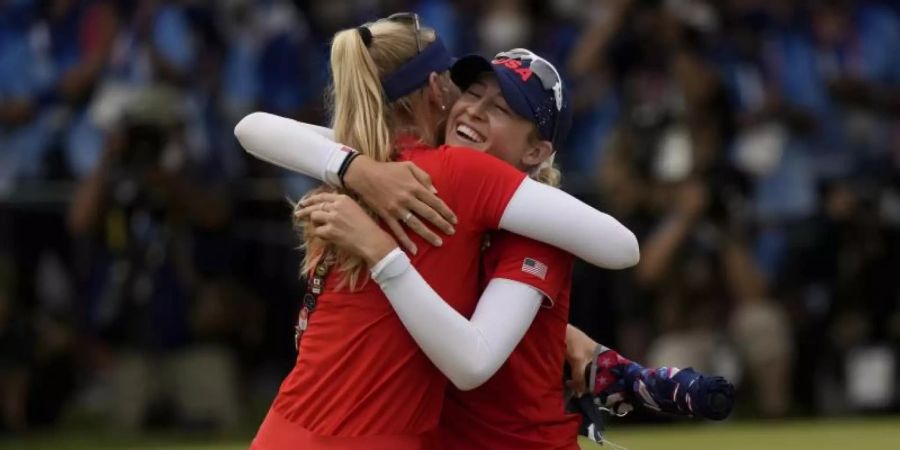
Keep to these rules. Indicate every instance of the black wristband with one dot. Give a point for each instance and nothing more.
(346, 165)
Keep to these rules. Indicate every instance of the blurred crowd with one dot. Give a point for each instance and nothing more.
(148, 271)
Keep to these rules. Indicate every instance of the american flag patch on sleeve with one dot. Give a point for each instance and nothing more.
(534, 267)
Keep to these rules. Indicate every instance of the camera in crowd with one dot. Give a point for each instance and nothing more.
(143, 145)
(148, 124)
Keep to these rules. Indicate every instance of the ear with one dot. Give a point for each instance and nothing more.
(539, 151)
(436, 92)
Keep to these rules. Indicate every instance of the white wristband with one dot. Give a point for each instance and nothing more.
(335, 161)
(392, 265)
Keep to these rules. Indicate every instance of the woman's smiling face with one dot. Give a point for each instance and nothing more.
(482, 120)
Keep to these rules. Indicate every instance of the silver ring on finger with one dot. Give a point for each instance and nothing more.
(408, 216)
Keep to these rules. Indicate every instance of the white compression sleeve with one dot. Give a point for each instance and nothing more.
(550, 215)
(297, 146)
(325, 132)
(536, 211)
(468, 352)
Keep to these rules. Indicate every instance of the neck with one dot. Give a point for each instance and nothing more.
(421, 127)
(414, 131)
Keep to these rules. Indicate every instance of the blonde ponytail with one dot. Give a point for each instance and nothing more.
(359, 115)
(363, 119)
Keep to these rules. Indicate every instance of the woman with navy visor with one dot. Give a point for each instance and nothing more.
(358, 373)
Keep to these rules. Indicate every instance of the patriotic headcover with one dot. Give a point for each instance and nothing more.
(530, 85)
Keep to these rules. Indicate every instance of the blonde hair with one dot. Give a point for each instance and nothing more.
(546, 172)
(364, 120)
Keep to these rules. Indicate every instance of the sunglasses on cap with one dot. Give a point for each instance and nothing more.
(544, 71)
(541, 68)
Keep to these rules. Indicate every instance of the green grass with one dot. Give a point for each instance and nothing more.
(855, 434)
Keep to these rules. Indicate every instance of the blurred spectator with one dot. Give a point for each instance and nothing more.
(505, 24)
(73, 42)
(273, 64)
(666, 168)
(857, 47)
(18, 91)
(700, 275)
(139, 207)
